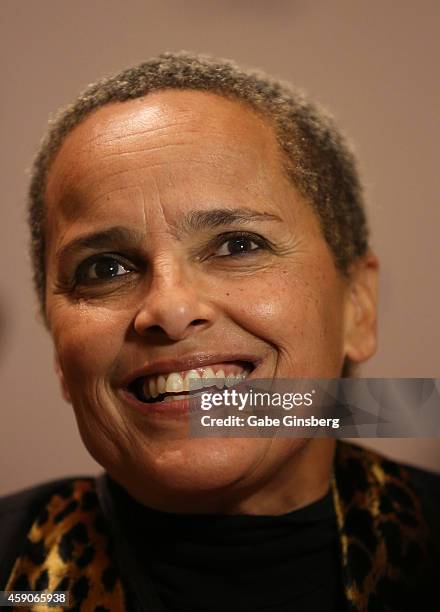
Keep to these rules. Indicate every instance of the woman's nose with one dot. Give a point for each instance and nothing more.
(173, 306)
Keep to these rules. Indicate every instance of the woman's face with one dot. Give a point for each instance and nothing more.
(176, 243)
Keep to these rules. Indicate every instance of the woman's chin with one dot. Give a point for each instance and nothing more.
(204, 475)
(192, 475)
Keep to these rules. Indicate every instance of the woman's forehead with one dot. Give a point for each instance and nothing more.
(174, 146)
(167, 119)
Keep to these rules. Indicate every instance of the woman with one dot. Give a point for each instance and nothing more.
(191, 220)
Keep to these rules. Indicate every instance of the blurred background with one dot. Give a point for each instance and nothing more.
(373, 64)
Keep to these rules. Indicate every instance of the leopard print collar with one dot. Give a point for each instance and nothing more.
(383, 539)
(383, 532)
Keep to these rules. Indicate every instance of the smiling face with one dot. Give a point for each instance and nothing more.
(174, 243)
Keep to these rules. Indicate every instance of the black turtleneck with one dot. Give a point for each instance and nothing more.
(214, 563)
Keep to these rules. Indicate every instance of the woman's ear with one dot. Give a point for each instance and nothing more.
(360, 337)
(60, 374)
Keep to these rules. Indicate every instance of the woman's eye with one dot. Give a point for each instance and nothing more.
(237, 245)
(101, 269)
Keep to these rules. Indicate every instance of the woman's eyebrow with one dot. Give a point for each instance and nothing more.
(112, 237)
(207, 219)
(195, 220)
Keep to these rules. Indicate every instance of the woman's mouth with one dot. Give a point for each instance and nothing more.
(172, 386)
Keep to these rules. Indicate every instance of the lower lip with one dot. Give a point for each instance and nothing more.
(171, 408)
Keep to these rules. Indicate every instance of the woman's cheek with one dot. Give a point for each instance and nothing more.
(87, 344)
(272, 308)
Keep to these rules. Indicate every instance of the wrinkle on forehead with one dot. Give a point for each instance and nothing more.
(184, 110)
(169, 146)
(161, 115)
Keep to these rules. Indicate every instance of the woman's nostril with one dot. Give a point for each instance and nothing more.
(156, 329)
(198, 322)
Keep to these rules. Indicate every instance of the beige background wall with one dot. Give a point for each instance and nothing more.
(374, 64)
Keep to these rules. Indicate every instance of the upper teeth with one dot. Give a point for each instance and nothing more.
(176, 382)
